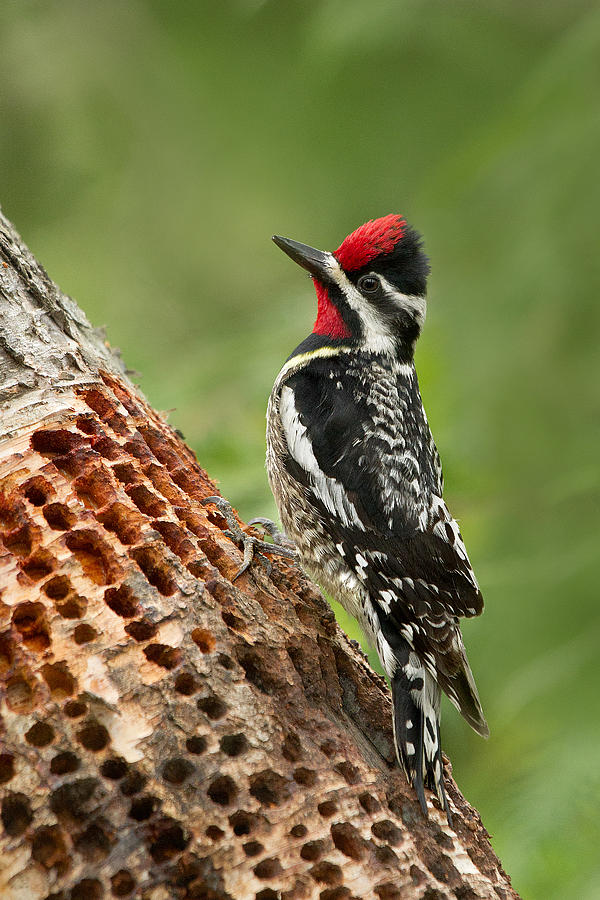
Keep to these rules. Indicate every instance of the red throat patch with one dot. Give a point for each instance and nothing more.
(368, 241)
(329, 320)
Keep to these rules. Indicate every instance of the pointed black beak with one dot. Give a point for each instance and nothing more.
(314, 261)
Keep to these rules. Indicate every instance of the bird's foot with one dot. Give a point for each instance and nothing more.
(252, 546)
(279, 538)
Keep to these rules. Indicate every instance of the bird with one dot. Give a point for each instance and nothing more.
(358, 483)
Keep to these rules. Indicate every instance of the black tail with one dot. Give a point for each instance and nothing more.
(416, 697)
(462, 692)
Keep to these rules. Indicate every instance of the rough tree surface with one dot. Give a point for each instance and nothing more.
(166, 733)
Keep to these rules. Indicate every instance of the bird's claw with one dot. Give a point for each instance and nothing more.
(275, 533)
(252, 546)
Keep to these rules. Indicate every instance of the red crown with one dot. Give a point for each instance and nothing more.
(368, 241)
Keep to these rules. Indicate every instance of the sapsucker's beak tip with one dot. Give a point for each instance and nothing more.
(314, 261)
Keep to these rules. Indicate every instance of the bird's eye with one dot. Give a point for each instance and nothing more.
(369, 284)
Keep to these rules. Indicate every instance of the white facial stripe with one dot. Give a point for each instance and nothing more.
(378, 336)
(415, 305)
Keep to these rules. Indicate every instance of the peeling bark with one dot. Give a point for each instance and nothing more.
(166, 733)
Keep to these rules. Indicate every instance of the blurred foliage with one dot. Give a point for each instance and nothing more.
(149, 149)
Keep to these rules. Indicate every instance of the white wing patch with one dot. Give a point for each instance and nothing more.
(328, 490)
(388, 658)
(387, 598)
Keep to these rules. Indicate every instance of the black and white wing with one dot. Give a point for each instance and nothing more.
(375, 481)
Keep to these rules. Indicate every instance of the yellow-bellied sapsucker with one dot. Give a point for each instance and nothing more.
(358, 482)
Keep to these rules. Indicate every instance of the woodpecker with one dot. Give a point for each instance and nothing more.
(358, 482)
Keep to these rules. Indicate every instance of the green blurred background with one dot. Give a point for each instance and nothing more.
(148, 150)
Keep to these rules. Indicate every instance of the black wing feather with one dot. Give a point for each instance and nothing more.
(423, 572)
(336, 421)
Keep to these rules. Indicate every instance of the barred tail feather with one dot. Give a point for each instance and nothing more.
(416, 699)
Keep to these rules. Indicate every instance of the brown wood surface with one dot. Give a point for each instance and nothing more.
(165, 733)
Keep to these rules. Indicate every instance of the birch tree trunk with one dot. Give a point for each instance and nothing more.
(166, 733)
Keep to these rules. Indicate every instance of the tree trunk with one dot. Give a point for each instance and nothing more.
(166, 733)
